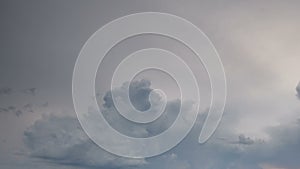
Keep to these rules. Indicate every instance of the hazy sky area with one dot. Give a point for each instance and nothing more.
(258, 42)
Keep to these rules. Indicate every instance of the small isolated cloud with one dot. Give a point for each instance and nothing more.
(245, 140)
(5, 91)
(18, 113)
(11, 109)
(31, 91)
(9, 91)
(2, 109)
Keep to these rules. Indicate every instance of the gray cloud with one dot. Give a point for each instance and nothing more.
(139, 95)
(298, 90)
(245, 140)
(281, 150)
(2, 109)
(9, 91)
(12, 109)
(31, 91)
(247, 35)
(61, 140)
(17, 108)
(19, 113)
(6, 91)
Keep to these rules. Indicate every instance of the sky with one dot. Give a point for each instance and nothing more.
(258, 43)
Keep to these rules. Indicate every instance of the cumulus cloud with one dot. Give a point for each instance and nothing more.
(139, 94)
(281, 150)
(61, 140)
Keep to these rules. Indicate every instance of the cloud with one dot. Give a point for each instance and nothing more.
(17, 109)
(139, 94)
(61, 140)
(3, 109)
(245, 140)
(6, 91)
(298, 90)
(31, 91)
(9, 91)
(171, 161)
(12, 109)
(281, 150)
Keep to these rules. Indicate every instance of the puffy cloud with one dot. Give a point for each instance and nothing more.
(281, 150)
(139, 94)
(61, 140)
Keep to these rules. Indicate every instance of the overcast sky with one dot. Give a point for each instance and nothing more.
(258, 43)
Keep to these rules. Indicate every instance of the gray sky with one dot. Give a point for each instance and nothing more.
(258, 42)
